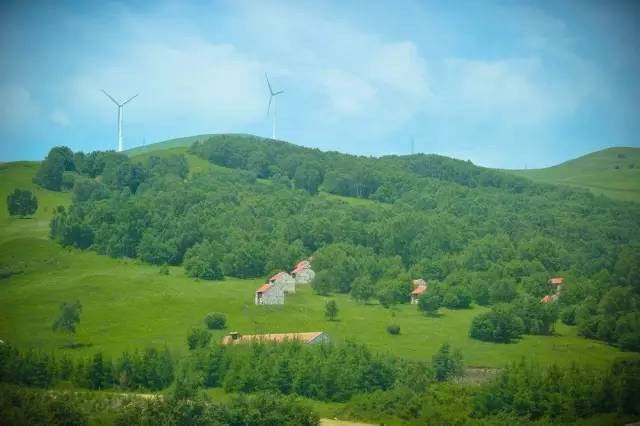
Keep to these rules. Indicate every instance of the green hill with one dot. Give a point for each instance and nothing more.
(128, 305)
(184, 142)
(614, 172)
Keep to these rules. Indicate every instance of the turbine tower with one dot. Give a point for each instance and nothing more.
(272, 97)
(120, 105)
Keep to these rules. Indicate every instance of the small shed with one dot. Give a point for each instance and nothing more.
(420, 287)
(269, 294)
(284, 280)
(557, 283)
(309, 338)
(302, 272)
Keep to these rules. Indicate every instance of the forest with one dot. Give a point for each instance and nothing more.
(476, 235)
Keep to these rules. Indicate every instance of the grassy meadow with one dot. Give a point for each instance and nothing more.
(613, 172)
(128, 305)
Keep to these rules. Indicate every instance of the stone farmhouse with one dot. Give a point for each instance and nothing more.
(284, 280)
(270, 294)
(310, 338)
(420, 286)
(557, 283)
(302, 272)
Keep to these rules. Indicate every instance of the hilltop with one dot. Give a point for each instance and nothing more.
(614, 172)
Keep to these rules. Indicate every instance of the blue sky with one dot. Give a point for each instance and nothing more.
(501, 83)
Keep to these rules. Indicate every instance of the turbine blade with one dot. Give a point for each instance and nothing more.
(277, 93)
(130, 99)
(110, 97)
(269, 107)
(268, 84)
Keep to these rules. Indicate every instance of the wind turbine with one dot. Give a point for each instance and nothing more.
(120, 105)
(272, 96)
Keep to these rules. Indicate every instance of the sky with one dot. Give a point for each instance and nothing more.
(509, 84)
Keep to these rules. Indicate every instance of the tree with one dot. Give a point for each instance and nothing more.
(429, 301)
(198, 338)
(447, 363)
(203, 261)
(362, 289)
(500, 325)
(68, 318)
(215, 321)
(22, 202)
(49, 175)
(331, 310)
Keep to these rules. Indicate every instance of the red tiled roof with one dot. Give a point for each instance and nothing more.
(278, 337)
(276, 276)
(300, 266)
(419, 290)
(546, 299)
(263, 288)
(556, 281)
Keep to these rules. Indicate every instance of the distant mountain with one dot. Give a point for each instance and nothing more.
(614, 172)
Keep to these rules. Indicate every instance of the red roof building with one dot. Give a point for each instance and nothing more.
(556, 281)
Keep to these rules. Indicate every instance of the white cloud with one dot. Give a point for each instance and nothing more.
(18, 108)
(60, 117)
(193, 80)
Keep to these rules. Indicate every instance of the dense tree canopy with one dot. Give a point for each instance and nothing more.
(22, 202)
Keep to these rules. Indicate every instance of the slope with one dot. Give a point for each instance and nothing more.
(613, 172)
(128, 305)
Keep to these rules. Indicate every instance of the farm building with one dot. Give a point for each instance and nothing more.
(557, 282)
(420, 287)
(311, 338)
(549, 298)
(269, 294)
(302, 273)
(284, 280)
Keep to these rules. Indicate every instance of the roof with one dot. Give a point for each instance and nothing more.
(546, 299)
(278, 337)
(556, 281)
(276, 276)
(301, 265)
(419, 281)
(263, 288)
(419, 290)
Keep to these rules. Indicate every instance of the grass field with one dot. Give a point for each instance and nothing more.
(128, 305)
(614, 172)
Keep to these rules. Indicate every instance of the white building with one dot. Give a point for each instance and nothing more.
(269, 294)
(284, 280)
(302, 273)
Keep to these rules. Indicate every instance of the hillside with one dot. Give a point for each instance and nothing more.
(614, 172)
(129, 305)
(153, 241)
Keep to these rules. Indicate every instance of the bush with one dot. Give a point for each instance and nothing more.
(568, 315)
(393, 329)
(501, 325)
(22, 202)
(198, 338)
(215, 321)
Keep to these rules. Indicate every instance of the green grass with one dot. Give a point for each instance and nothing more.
(185, 142)
(613, 172)
(128, 305)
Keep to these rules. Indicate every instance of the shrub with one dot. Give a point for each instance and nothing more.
(393, 329)
(500, 325)
(22, 202)
(215, 321)
(568, 315)
(198, 338)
